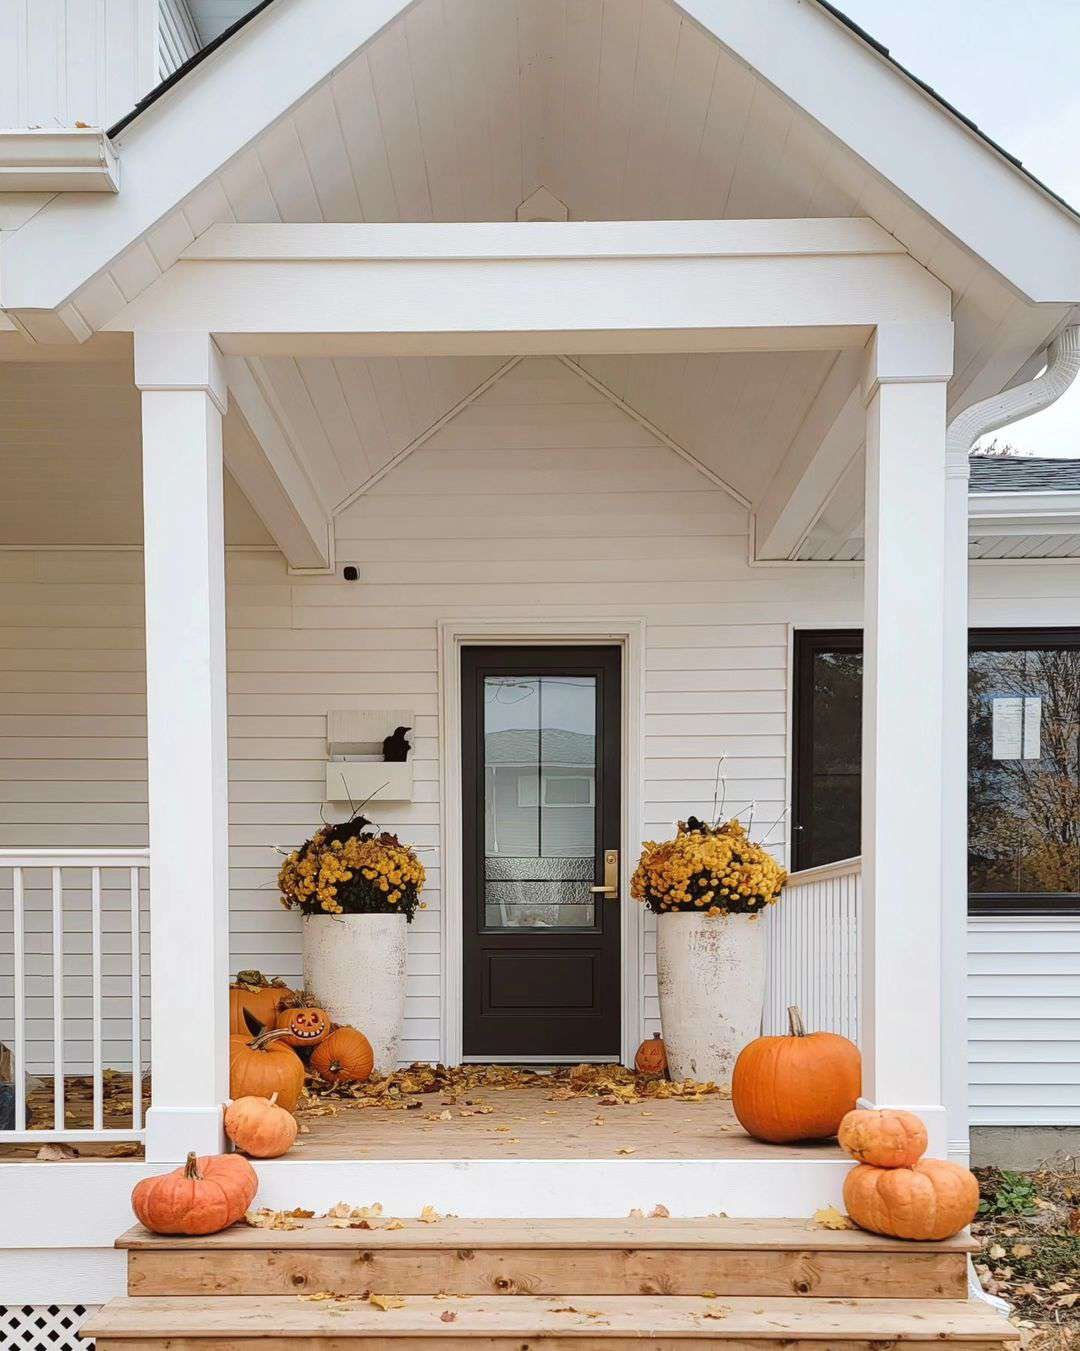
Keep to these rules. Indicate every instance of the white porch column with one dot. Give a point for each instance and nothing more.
(183, 398)
(900, 1014)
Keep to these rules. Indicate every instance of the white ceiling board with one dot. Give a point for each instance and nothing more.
(212, 17)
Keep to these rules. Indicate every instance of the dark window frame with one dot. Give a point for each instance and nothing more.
(808, 642)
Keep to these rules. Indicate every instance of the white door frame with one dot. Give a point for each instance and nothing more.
(454, 635)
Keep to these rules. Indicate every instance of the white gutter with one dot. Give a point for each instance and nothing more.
(988, 415)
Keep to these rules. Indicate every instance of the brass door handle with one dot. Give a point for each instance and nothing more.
(610, 885)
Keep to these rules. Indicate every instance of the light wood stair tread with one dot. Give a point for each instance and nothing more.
(486, 1234)
(577, 1321)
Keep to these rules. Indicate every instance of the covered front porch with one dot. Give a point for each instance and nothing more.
(503, 477)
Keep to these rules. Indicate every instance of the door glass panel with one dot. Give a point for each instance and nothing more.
(833, 807)
(540, 801)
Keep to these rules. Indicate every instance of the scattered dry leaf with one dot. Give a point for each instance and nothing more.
(626, 1149)
(659, 1212)
(828, 1217)
(447, 1316)
(429, 1215)
(56, 1153)
(385, 1302)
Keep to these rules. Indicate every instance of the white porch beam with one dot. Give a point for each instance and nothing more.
(904, 600)
(183, 397)
(262, 459)
(830, 436)
(527, 287)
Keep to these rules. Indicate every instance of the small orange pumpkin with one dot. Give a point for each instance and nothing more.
(251, 992)
(204, 1196)
(933, 1199)
(885, 1138)
(303, 1026)
(260, 1127)
(345, 1056)
(263, 1065)
(797, 1087)
(651, 1057)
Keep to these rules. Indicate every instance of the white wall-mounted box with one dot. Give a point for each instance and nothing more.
(356, 781)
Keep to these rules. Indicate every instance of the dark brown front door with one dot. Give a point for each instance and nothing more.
(541, 734)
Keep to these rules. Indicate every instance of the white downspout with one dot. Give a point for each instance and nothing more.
(988, 415)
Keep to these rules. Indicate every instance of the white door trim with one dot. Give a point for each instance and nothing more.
(455, 635)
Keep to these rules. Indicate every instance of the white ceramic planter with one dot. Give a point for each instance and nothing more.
(711, 977)
(356, 965)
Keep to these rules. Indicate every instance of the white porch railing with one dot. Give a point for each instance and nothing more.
(813, 950)
(73, 980)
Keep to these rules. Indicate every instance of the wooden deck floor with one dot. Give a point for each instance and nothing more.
(527, 1124)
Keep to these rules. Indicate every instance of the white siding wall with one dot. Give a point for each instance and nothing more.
(178, 40)
(541, 499)
(68, 61)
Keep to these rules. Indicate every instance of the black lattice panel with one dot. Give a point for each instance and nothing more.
(43, 1327)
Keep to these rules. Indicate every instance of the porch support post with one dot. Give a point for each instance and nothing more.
(900, 989)
(183, 398)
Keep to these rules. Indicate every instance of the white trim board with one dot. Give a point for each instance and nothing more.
(454, 635)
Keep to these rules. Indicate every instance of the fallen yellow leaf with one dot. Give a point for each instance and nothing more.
(828, 1217)
(385, 1302)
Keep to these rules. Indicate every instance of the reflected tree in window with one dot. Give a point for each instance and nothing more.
(1024, 807)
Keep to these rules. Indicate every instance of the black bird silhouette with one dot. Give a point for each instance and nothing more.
(395, 749)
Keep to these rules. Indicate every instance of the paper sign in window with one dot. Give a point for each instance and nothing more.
(1017, 726)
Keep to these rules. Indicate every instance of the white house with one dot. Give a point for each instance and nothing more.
(381, 341)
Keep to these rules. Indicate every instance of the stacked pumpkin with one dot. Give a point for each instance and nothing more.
(894, 1190)
(270, 1027)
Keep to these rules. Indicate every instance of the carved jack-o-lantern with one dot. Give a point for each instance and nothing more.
(305, 1026)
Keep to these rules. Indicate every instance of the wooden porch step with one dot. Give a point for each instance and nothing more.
(542, 1257)
(543, 1323)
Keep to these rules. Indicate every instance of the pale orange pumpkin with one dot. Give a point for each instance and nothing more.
(304, 1026)
(260, 1127)
(651, 1056)
(885, 1138)
(263, 1065)
(797, 1087)
(345, 1056)
(203, 1196)
(933, 1199)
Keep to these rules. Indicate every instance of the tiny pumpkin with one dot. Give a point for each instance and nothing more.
(933, 1199)
(651, 1057)
(260, 1127)
(797, 1087)
(345, 1056)
(885, 1138)
(263, 1065)
(303, 1026)
(203, 1196)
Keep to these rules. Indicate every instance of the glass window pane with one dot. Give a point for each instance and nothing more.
(831, 817)
(540, 801)
(1024, 772)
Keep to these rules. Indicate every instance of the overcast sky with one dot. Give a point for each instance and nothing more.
(1011, 66)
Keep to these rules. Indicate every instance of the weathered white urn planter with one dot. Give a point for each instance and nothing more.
(356, 965)
(711, 977)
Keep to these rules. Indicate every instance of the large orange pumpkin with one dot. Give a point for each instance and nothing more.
(651, 1057)
(797, 1087)
(260, 1127)
(933, 1199)
(885, 1138)
(305, 1026)
(262, 1066)
(345, 1056)
(253, 993)
(202, 1197)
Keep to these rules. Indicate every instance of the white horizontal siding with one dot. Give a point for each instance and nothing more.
(1024, 1020)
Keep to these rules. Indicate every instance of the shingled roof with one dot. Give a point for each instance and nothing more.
(1023, 474)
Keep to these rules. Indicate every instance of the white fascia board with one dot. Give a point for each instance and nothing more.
(1025, 513)
(434, 288)
(44, 159)
(906, 136)
(186, 136)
